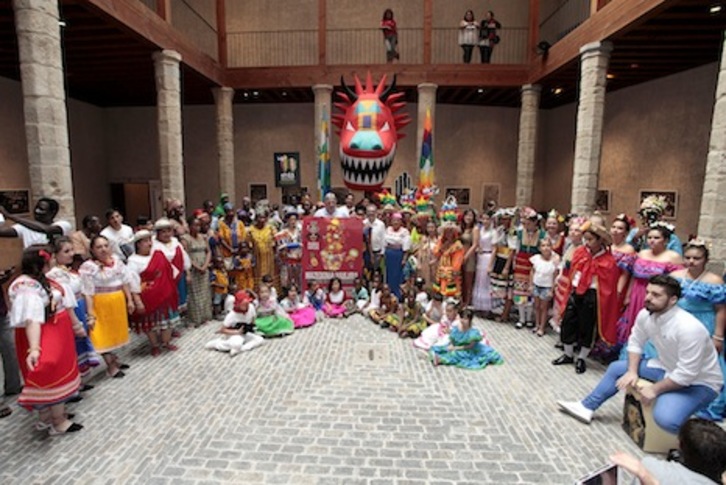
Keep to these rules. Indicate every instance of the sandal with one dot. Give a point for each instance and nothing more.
(5, 411)
(171, 347)
(118, 375)
(155, 351)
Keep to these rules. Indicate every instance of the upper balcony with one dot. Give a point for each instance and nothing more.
(274, 50)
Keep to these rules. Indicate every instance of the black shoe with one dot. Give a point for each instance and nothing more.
(118, 375)
(580, 366)
(560, 346)
(124, 366)
(562, 360)
(87, 387)
(76, 398)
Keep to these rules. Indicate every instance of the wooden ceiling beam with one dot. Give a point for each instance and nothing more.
(135, 17)
(614, 18)
(407, 75)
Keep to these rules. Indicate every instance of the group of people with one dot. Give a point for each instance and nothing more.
(471, 34)
(426, 274)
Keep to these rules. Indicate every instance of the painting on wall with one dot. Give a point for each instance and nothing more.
(15, 201)
(462, 194)
(287, 169)
(258, 192)
(602, 201)
(490, 197)
(669, 196)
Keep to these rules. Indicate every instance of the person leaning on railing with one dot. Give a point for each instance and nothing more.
(390, 35)
(468, 35)
(488, 36)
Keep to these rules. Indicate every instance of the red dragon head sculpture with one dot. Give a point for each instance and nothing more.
(369, 132)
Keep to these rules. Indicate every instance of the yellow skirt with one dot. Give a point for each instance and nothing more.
(112, 324)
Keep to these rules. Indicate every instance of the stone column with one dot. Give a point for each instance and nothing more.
(44, 103)
(594, 59)
(169, 122)
(225, 141)
(527, 149)
(426, 102)
(323, 99)
(712, 220)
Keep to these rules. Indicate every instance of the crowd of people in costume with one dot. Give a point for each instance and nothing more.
(427, 274)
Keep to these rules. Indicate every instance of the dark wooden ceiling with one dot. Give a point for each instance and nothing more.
(108, 65)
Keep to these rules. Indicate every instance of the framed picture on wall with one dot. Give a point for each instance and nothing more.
(258, 192)
(287, 169)
(602, 200)
(462, 194)
(670, 197)
(490, 197)
(15, 201)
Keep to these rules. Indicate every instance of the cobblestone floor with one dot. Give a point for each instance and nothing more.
(343, 402)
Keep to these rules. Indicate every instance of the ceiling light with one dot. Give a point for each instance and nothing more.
(62, 23)
(557, 91)
(255, 93)
(246, 94)
(480, 90)
(715, 8)
(610, 76)
(284, 93)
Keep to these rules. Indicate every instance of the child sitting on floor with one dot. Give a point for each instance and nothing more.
(315, 295)
(267, 281)
(360, 298)
(386, 315)
(467, 347)
(300, 311)
(422, 296)
(238, 328)
(334, 306)
(412, 322)
(229, 299)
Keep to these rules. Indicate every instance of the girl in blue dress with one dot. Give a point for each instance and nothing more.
(467, 347)
(703, 294)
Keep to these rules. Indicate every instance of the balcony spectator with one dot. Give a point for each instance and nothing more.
(468, 35)
(488, 37)
(390, 36)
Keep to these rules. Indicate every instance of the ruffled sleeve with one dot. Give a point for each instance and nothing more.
(88, 271)
(27, 302)
(625, 261)
(714, 294)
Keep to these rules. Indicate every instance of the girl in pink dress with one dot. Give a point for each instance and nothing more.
(335, 300)
(298, 308)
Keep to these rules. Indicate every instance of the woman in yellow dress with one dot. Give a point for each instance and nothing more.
(449, 252)
(262, 236)
(231, 233)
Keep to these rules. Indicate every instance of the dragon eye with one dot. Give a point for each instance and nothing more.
(386, 127)
(349, 126)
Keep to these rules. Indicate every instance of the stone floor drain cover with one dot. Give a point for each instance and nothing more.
(371, 354)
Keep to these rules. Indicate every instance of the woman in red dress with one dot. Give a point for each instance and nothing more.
(44, 322)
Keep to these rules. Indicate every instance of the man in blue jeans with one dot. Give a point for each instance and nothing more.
(686, 372)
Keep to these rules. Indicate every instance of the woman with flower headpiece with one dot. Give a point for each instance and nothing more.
(41, 311)
(528, 238)
(656, 259)
(486, 237)
(423, 247)
(449, 252)
(553, 233)
(652, 210)
(704, 296)
(500, 266)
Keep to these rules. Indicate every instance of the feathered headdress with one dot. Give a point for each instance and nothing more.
(449, 214)
(387, 199)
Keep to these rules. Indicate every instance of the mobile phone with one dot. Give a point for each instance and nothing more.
(606, 475)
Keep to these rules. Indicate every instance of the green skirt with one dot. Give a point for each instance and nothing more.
(273, 325)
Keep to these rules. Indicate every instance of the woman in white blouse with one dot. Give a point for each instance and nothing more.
(398, 243)
(105, 285)
(42, 315)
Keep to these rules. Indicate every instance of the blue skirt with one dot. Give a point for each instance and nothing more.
(394, 270)
(181, 289)
(87, 356)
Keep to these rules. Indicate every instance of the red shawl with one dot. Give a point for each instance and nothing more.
(603, 266)
(178, 262)
(158, 289)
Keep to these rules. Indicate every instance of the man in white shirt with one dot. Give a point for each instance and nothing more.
(39, 230)
(686, 372)
(375, 239)
(120, 236)
(331, 209)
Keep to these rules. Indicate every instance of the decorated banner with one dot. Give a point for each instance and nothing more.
(287, 169)
(332, 248)
(324, 157)
(426, 164)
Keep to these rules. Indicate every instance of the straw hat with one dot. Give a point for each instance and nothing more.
(598, 230)
(163, 223)
(142, 234)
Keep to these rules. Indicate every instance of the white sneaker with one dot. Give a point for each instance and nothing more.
(576, 410)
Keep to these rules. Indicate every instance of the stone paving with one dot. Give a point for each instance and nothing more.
(343, 402)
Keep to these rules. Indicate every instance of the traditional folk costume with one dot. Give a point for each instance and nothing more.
(70, 279)
(232, 234)
(527, 246)
(105, 285)
(450, 254)
(563, 285)
(398, 243)
(592, 308)
(437, 334)
(55, 378)
(385, 313)
(263, 241)
(482, 294)
(289, 248)
(272, 321)
(200, 298)
(152, 278)
(505, 245)
(413, 321)
(179, 259)
(334, 306)
(242, 322)
(476, 357)
(300, 311)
